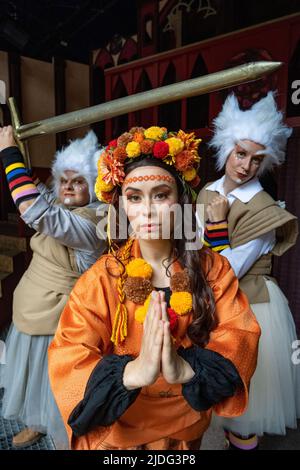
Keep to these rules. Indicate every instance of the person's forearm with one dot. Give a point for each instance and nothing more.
(132, 377)
(21, 185)
(216, 235)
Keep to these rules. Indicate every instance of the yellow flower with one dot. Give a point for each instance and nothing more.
(181, 302)
(154, 133)
(133, 149)
(102, 185)
(169, 160)
(139, 268)
(100, 164)
(189, 175)
(141, 312)
(175, 145)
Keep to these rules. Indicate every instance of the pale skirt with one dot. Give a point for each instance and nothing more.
(274, 397)
(27, 392)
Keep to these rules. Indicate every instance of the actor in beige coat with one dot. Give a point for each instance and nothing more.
(248, 227)
(64, 246)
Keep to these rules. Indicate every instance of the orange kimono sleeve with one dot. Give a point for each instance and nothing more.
(237, 333)
(82, 337)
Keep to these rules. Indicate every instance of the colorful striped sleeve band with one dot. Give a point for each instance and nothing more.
(21, 185)
(216, 235)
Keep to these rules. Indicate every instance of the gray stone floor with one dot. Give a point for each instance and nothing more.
(8, 428)
(214, 440)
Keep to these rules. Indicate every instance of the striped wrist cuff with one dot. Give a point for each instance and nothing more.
(216, 235)
(21, 185)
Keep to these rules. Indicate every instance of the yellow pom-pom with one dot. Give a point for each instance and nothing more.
(189, 175)
(133, 149)
(100, 163)
(154, 133)
(175, 145)
(141, 312)
(181, 302)
(102, 185)
(139, 268)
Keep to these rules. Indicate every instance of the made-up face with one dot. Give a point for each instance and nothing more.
(73, 189)
(148, 195)
(244, 161)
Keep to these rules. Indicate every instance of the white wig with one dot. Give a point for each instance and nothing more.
(261, 124)
(81, 156)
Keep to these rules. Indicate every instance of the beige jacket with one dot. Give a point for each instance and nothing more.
(247, 221)
(43, 291)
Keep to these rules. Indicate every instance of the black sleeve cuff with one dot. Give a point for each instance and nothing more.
(11, 155)
(105, 398)
(215, 379)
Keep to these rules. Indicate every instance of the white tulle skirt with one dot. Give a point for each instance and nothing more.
(274, 398)
(27, 392)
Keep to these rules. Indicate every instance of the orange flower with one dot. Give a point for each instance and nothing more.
(190, 142)
(135, 129)
(184, 160)
(115, 171)
(124, 139)
(120, 154)
(138, 137)
(147, 146)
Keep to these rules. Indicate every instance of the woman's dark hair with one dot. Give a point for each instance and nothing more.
(192, 260)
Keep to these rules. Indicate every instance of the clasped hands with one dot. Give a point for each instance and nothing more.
(158, 354)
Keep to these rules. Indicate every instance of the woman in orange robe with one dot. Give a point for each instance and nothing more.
(157, 333)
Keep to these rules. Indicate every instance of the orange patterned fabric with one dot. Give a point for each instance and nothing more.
(162, 444)
(160, 411)
(138, 179)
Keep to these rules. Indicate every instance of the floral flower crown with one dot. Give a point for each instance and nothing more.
(178, 149)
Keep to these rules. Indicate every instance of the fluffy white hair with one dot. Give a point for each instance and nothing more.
(81, 156)
(262, 124)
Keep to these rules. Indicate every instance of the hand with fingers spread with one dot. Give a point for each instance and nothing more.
(218, 209)
(174, 368)
(6, 138)
(145, 369)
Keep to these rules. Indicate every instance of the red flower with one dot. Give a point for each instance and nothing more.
(173, 319)
(112, 143)
(160, 149)
(106, 196)
(195, 182)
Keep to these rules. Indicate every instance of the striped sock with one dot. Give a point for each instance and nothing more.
(21, 185)
(216, 235)
(243, 443)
